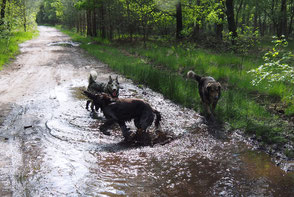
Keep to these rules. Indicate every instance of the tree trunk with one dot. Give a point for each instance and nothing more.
(291, 19)
(78, 23)
(129, 25)
(89, 29)
(179, 20)
(103, 29)
(238, 11)
(196, 30)
(94, 23)
(110, 34)
(255, 17)
(231, 20)
(282, 28)
(220, 26)
(24, 16)
(2, 14)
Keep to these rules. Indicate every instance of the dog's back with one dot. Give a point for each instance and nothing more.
(126, 109)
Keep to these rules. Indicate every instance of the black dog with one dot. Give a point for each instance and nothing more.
(209, 90)
(123, 110)
(111, 88)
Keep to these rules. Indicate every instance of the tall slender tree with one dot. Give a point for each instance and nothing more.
(231, 19)
(179, 18)
(2, 12)
(282, 28)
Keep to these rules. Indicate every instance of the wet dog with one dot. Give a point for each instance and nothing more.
(119, 110)
(209, 91)
(111, 88)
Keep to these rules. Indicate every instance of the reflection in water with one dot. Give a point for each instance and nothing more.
(65, 44)
(64, 154)
(259, 168)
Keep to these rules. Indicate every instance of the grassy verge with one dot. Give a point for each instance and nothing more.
(9, 45)
(231, 70)
(237, 106)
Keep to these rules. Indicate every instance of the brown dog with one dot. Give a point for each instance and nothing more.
(118, 110)
(209, 91)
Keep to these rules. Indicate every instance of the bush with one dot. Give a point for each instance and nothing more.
(277, 66)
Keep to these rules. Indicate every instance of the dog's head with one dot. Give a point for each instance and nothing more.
(113, 87)
(214, 90)
(100, 99)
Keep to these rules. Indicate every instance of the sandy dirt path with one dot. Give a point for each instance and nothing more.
(43, 66)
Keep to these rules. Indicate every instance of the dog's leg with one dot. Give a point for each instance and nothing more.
(137, 123)
(146, 120)
(213, 110)
(87, 104)
(207, 108)
(92, 106)
(125, 130)
(214, 105)
(103, 128)
(210, 113)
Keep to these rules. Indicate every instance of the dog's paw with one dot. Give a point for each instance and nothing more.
(128, 135)
(94, 115)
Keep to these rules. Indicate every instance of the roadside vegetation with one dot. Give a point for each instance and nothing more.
(17, 24)
(9, 45)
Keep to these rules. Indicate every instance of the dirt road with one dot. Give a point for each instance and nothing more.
(50, 146)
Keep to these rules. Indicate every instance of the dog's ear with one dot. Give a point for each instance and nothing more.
(116, 79)
(219, 86)
(110, 79)
(219, 89)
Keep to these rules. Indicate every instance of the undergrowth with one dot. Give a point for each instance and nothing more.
(9, 45)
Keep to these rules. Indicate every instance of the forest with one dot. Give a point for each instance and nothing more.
(245, 44)
(148, 133)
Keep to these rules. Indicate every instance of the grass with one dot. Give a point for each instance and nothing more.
(9, 45)
(162, 69)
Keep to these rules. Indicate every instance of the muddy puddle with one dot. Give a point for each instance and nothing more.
(57, 150)
(65, 44)
(50, 145)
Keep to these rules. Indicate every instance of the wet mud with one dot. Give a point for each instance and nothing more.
(50, 145)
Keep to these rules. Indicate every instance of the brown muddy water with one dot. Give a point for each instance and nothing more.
(50, 146)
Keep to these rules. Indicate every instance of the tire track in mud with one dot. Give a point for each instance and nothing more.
(62, 153)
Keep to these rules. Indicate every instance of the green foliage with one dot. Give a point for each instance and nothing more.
(9, 45)
(247, 39)
(19, 16)
(277, 66)
(50, 11)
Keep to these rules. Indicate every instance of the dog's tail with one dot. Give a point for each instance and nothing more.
(158, 118)
(93, 76)
(192, 75)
